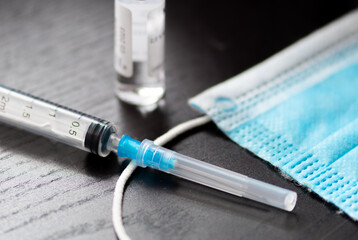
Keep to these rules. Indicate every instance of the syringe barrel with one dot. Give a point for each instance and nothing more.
(54, 121)
(228, 181)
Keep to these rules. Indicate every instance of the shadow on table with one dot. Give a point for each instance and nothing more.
(107, 167)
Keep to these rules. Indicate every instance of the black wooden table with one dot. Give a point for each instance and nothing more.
(63, 51)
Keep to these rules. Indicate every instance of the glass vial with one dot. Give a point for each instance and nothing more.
(139, 51)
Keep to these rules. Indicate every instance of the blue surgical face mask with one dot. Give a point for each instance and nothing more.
(299, 111)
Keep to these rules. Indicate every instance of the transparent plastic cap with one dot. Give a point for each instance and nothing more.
(194, 170)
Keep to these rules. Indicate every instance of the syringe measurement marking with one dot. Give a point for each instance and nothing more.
(54, 112)
(76, 125)
(25, 113)
(3, 102)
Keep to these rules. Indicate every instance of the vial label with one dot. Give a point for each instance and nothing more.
(156, 29)
(123, 62)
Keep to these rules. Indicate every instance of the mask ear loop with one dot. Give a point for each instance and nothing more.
(123, 178)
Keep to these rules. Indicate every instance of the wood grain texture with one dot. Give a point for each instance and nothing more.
(62, 51)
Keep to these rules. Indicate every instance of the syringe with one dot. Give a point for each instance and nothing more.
(99, 137)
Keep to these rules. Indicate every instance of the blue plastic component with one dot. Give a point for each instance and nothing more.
(146, 153)
(128, 147)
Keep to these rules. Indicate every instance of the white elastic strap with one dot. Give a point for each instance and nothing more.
(119, 190)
